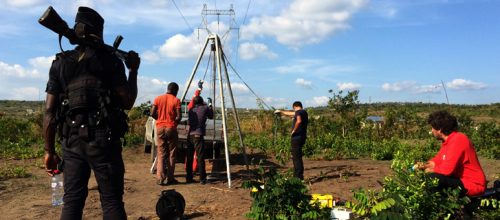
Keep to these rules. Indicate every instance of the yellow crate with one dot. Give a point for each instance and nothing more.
(325, 200)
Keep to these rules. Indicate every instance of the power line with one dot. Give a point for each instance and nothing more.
(238, 40)
(185, 20)
(246, 13)
(251, 90)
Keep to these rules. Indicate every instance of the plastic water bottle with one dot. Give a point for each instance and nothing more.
(57, 189)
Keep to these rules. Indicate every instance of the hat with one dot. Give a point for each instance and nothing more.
(90, 17)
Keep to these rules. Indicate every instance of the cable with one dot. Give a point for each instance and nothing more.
(251, 90)
(206, 70)
(187, 23)
(244, 21)
(246, 13)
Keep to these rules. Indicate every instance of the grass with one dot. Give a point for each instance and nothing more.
(10, 172)
(20, 150)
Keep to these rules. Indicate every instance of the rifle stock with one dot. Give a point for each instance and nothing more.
(51, 20)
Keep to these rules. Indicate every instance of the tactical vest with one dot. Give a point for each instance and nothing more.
(86, 99)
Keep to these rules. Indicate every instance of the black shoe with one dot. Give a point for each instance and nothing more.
(190, 180)
(172, 182)
(203, 182)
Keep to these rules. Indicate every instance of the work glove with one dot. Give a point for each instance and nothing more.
(277, 112)
(209, 100)
(200, 84)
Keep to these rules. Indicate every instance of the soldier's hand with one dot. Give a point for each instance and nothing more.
(133, 60)
(51, 160)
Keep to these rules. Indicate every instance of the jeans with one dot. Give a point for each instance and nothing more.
(196, 142)
(296, 150)
(103, 156)
(166, 141)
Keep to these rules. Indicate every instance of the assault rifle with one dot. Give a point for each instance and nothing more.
(51, 20)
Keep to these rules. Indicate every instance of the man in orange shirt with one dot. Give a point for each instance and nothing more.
(167, 112)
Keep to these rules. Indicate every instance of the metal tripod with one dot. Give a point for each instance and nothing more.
(221, 68)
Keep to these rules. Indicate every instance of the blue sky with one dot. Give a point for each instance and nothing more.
(391, 50)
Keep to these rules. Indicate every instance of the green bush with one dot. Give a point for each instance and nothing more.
(281, 197)
(13, 129)
(132, 139)
(408, 194)
(20, 138)
(486, 139)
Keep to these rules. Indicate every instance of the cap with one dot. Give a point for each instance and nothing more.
(90, 17)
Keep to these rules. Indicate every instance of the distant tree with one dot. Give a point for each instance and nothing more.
(347, 106)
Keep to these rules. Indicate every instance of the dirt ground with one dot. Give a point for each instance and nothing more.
(29, 198)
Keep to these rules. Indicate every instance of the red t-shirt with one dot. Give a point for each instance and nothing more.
(166, 106)
(457, 157)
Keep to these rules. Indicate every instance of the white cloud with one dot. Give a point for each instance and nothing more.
(24, 82)
(180, 47)
(317, 67)
(399, 86)
(22, 3)
(280, 103)
(158, 82)
(239, 88)
(462, 84)
(318, 101)
(25, 93)
(250, 51)
(303, 83)
(304, 22)
(150, 56)
(149, 88)
(39, 68)
(428, 88)
(411, 86)
(348, 86)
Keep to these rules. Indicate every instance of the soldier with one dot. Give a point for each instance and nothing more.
(87, 92)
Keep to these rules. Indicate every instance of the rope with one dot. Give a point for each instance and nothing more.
(206, 70)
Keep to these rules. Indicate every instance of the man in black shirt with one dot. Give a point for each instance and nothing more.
(299, 136)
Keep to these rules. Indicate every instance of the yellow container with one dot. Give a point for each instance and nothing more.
(325, 200)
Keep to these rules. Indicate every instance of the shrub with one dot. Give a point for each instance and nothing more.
(281, 197)
(408, 194)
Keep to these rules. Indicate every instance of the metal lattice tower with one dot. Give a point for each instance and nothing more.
(205, 13)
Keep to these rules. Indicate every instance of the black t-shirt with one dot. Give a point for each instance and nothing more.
(301, 131)
(101, 63)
